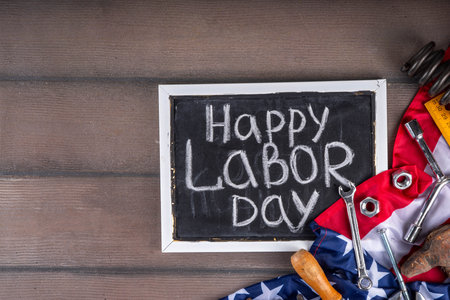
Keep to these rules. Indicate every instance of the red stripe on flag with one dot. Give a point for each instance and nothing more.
(434, 275)
(380, 188)
(406, 151)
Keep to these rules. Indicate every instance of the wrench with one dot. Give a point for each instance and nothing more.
(364, 281)
(416, 132)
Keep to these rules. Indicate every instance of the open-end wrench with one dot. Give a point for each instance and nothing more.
(416, 132)
(364, 281)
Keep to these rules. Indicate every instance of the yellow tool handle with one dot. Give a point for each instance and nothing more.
(310, 271)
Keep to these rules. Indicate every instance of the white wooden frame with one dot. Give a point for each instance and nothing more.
(165, 91)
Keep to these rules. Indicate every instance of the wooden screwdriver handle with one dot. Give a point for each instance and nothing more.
(310, 271)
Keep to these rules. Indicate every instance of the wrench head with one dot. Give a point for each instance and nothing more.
(349, 193)
(364, 282)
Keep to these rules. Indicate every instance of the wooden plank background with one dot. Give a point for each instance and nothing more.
(79, 160)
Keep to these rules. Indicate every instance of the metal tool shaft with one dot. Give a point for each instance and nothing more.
(388, 248)
(416, 227)
(364, 281)
(416, 133)
(359, 256)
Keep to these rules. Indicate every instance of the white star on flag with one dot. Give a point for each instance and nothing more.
(348, 243)
(375, 276)
(427, 294)
(240, 292)
(374, 291)
(269, 294)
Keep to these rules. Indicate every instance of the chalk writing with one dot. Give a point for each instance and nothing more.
(270, 161)
(264, 166)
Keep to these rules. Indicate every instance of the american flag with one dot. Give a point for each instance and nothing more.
(333, 247)
(334, 253)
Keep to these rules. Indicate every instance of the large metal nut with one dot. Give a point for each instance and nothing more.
(401, 179)
(369, 207)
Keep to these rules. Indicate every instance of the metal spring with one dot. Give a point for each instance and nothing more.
(426, 66)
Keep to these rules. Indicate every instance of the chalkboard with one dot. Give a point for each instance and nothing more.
(261, 166)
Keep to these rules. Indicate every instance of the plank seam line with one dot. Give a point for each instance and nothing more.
(140, 270)
(183, 80)
(45, 174)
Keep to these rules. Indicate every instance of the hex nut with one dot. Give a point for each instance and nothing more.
(365, 209)
(401, 179)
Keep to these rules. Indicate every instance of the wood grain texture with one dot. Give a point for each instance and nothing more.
(399, 96)
(79, 160)
(110, 223)
(78, 127)
(98, 128)
(47, 286)
(217, 40)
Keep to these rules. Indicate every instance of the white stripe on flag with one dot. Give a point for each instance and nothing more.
(400, 220)
(442, 155)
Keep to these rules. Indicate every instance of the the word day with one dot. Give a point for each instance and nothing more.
(295, 121)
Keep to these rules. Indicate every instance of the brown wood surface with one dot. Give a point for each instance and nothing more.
(75, 285)
(79, 152)
(78, 127)
(217, 40)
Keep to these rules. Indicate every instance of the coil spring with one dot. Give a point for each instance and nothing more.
(426, 66)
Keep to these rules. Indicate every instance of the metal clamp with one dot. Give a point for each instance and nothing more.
(368, 211)
(401, 179)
